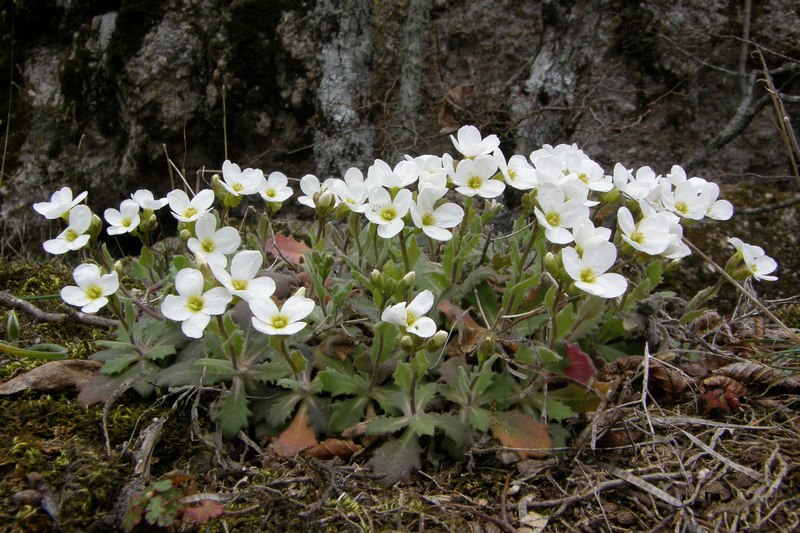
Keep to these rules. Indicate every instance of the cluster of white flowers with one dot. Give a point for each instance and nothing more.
(415, 194)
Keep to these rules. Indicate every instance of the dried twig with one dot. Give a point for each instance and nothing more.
(44, 316)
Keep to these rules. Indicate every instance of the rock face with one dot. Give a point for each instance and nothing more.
(102, 90)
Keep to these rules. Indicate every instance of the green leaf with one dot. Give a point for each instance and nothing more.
(119, 363)
(347, 413)
(218, 367)
(139, 271)
(397, 459)
(452, 427)
(146, 257)
(117, 345)
(160, 352)
(555, 408)
(422, 424)
(575, 397)
(338, 383)
(233, 410)
(387, 425)
(590, 313)
(478, 418)
(268, 371)
(403, 376)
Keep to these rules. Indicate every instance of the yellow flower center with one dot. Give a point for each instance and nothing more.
(71, 234)
(553, 218)
(475, 182)
(239, 284)
(428, 219)
(190, 212)
(271, 192)
(388, 214)
(280, 321)
(195, 303)
(237, 187)
(588, 275)
(208, 245)
(583, 177)
(512, 174)
(410, 318)
(126, 222)
(637, 237)
(682, 207)
(94, 292)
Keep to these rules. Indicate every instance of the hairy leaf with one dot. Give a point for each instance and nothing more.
(233, 410)
(397, 459)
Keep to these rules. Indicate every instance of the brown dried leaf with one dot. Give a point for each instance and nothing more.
(521, 432)
(55, 376)
(727, 384)
(714, 403)
(297, 437)
(282, 247)
(470, 333)
(330, 448)
(751, 372)
(670, 380)
(341, 346)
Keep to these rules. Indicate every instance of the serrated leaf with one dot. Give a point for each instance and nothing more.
(347, 413)
(478, 418)
(218, 367)
(422, 424)
(233, 410)
(383, 425)
(157, 353)
(269, 371)
(397, 459)
(517, 430)
(338, 383)
(452, 427)
(119, 363)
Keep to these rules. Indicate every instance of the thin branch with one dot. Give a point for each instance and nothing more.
(773, 207)
(44, 316)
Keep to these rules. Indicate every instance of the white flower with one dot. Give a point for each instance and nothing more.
(242, 280)
(276, 188)
(211, 244)
(123, 220)
(311, 187)
(639, 187)
(240, 182)
(284, 321)
(186, 210)
(473, 177)
(146, 200)
(717, 209)
(584, 232)
(432, 170)
(756, 261)
(60, 204)
(75, 236)
(688, 199)
(562, 152)
(404, 174)
(556, 213)
(650, 235)
(353, 190)
(411, 316)
(589, 271)
(92, 290)
(386, 212)
(193, 307)
(470, 143)
(588, 172)
(433, 220)
(517, 171)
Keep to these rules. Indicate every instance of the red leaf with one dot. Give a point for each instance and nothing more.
(517, 430)
(282, 247)
(297, 437)
(580, 367)
(204, 511)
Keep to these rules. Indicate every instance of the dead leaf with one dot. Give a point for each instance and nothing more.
(297, 437)
(521, 432)
(725, 383)
(55, 376)
(664, 378)
(286, 248)
(714, 403)
(581, 367)
(330, 448)
(470, 333)
(204, 511)
(341, 346)
(759, 374)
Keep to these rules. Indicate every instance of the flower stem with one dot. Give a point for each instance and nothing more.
(376, 363)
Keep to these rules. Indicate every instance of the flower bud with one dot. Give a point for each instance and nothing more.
(437, 342)
(375, 276)
(409, 279)
(95, 227)
(407, 343)
(118, 268)
(611, 197)
(12, 326)
(301, 292)
(552, 265)
(185, 234)
(487, 346)
(324, 203)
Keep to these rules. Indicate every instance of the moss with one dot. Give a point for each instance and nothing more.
(134, 20)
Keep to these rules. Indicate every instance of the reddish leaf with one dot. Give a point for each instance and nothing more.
(581, 367)
(297, 437)
(521, 432)
(714, 403)
(204, 511)
(55, 376)
(330, 448)
(282, 247)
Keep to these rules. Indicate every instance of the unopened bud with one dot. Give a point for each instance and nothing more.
(437, 342)
(409, 279)
(185, 234)
(12, 326)
(118, 267)
(325, 203)
(375, 276)
(407, 343)
(551, 264)
(95, 227)
(487, 346)
(611, 197)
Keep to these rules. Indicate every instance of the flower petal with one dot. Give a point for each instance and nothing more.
(189, 281)
(195, 325)
(174, 308)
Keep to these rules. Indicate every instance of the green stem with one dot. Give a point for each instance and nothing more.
(49, 352)
(404, 251)
(376, 363)
(231, 351)
(285, 353)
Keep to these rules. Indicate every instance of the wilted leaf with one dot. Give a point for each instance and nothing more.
(759, 374)
(664, 378)
(330, 448)
(397, 459)
(286, 248)
(204, 511)
(341, 346)
(522, 433)
(470, 333)
(55, 376)
(297, 437)
(580, 367)
(714, 403)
